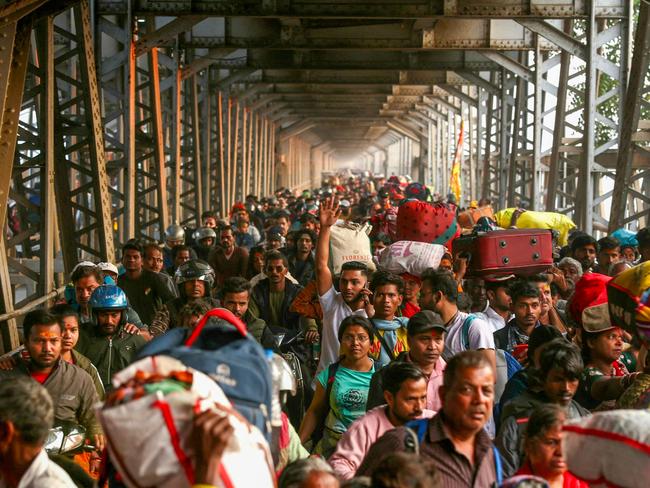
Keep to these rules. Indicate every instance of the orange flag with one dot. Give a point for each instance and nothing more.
(454, 181)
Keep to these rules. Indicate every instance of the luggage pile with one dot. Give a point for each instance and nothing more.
(148, 419)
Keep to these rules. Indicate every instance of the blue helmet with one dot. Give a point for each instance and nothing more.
(108, 297)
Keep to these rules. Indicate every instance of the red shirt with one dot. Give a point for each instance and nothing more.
(570, 481)
(409, 310)
(40, 377)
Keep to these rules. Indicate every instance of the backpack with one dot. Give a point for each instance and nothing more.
(507, 365)
(230, 356)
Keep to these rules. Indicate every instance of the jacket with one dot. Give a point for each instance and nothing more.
(514, 418)
(260, 295)
(254, 325)
(84, 363)
(109, 354)
(307, 273)
(71, 389)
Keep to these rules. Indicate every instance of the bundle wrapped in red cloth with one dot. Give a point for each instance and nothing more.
(433, 223)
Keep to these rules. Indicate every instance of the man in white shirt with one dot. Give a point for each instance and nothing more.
(353, 297)
(464, 331)
(497, 313)
(26, 415)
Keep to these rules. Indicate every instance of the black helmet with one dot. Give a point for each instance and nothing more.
(194, 270)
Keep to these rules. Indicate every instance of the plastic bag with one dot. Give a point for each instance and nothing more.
(411, 257)
(537, 220)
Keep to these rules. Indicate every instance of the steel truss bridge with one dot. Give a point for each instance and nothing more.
(119, 117)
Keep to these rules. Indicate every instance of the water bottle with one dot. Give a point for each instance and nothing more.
(315, 352)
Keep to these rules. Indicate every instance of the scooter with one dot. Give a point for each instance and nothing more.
(67, 438)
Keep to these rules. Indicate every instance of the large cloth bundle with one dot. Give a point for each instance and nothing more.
(385, 223)
(148, 419)
(528, 219)
(610, 448)
(469, 218)
(220, 347)
(433, 223)
(411, 257)
(625, 237)
(628, 296)
(350, 242)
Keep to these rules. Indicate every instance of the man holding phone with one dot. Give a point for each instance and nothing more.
(526, 308)
(353, 297)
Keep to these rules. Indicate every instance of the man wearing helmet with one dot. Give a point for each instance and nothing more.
(194, 280)
(107, 344)
(205, 238)
(174, 236)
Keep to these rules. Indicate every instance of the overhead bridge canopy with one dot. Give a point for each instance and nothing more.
(120, 117)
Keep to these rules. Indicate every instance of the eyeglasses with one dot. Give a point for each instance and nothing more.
(350, 339)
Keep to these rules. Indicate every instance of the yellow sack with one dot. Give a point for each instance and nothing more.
(529, 219)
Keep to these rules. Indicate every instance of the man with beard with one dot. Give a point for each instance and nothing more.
(272, 296)
(439, 293)
(146, 290)
(455, 438)
(353, 297)
(405, 394)
(107, 344)
(526, 308)
(153, 261)
(560, 366)
(584, 249)
(497, 313)
(227, 260)
(301, 262)
(235, 296)
(71, 388)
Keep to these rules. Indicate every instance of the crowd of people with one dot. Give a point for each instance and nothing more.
(443, 378)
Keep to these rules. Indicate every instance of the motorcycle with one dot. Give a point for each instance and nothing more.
(67, 438)
(290, 345)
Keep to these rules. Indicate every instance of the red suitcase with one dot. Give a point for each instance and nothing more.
(511, 251)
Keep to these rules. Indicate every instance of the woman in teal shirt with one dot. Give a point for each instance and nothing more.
(349, 392)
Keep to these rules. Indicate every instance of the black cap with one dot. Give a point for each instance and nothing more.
(424, 321)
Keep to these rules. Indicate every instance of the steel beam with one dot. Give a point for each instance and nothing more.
(167, 33)
(630, 121)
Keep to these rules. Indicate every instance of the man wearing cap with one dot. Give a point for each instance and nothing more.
(426, 341)
(497, 313)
